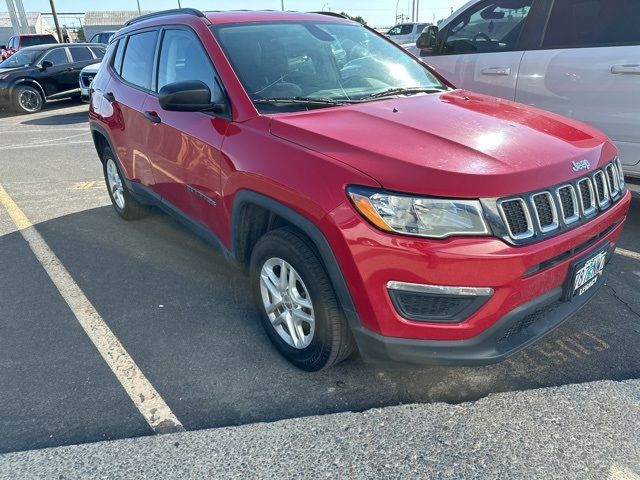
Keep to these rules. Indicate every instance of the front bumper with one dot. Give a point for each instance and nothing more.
(512, 333)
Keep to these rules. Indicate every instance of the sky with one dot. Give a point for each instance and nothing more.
(375, 12)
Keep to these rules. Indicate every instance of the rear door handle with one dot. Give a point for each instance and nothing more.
(109, 97)
(152, 117)
(625, 69)
(496, 71)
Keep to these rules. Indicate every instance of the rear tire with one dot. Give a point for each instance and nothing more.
(304, 302)
(27, 99)
(123, 202)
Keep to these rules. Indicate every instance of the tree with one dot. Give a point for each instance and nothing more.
(357, 18)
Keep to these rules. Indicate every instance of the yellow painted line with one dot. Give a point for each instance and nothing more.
(628, 253)
(142, 393)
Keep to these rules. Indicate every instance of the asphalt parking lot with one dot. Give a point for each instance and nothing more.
(186, 317)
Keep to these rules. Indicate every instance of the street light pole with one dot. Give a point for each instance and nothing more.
(55, 21)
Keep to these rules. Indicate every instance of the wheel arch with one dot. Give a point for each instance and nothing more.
(242, 241)
(31, 82)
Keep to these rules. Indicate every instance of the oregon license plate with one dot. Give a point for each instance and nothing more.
(587, 275)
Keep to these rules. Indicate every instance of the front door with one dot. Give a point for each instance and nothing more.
(186, 147)
(480, 49)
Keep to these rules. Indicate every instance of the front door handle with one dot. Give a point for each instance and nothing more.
(109, 97)
(496, 71)
(152, 117)
(625, 69)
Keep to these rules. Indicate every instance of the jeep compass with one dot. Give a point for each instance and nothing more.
(372, 204)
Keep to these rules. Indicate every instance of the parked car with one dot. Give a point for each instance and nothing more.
(371, 203)
(35, 75)
(102, 37)
(21, 41)
(577, 58)
(406, 32)
(87, 74)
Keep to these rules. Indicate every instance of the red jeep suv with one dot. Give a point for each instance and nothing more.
(372, 204)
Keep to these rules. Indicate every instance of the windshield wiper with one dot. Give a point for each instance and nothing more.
(404, 91)
(301, 100)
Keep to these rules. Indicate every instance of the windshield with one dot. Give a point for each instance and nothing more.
(332, 62)
(22, 58)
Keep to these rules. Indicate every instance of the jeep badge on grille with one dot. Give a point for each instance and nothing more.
(581, 165)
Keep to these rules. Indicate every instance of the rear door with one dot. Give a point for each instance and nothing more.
(186, 146)
(588, 68)
(80, 58)
(481, 49)
(131, 83)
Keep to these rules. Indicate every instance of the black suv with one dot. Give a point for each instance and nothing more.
(34, 75)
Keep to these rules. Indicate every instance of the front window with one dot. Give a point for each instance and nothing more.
(22, 58)
(325, 62)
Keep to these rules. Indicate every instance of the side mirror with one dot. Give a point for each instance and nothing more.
(189, 96)
(46, 64)
(428, 39)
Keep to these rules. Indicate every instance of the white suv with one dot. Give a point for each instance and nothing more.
(406, 32)
(578, 58)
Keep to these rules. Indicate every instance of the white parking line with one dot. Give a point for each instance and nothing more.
(628, 253)
(145, 397)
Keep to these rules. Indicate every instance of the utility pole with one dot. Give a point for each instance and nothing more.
(282, 4)
(55, 20)
(139, 11)
(179, 6)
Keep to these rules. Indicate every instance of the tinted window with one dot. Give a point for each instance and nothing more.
(137, 65)
(421, 27)
(117, 59)
(80, 54)
(98, 51)
(183, 58)
(36, 40)
(578, 23)
(57, 56)
(488, 27)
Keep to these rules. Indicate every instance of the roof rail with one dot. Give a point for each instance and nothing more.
(332, 14)
(175, 11)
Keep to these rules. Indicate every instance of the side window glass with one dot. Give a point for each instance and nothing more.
(57, 57)
(117, 58)
(489, 27)
(593, 23)
(406, 29)
(183, 58)
(98, 52)
(395, 30)
(80, 54)
(137, 64)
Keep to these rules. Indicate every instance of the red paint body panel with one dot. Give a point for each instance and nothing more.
(456, 144)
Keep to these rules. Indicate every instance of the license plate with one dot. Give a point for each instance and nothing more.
(587, 275)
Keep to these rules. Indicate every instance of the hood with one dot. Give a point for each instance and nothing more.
(14, 69)
(456, 144)
(93, 68)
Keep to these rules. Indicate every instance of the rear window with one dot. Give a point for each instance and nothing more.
(36, 40)
(593, 23)
(137, 64)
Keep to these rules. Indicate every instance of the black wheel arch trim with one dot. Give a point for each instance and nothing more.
(249, 197)
(28, 81)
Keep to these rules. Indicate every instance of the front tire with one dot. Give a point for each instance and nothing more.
(27, 99)
(123, 202)
(298, 307)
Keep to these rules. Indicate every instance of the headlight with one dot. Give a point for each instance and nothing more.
(421, 216)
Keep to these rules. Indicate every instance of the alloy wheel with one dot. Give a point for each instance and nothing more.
(115, 184)
(287, 303)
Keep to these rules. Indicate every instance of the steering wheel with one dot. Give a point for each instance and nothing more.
(482, 35)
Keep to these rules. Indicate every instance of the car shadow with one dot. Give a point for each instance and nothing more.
(59, 119)
(50, 107)
(187, 318)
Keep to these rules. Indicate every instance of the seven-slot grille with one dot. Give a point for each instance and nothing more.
(548, 211)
